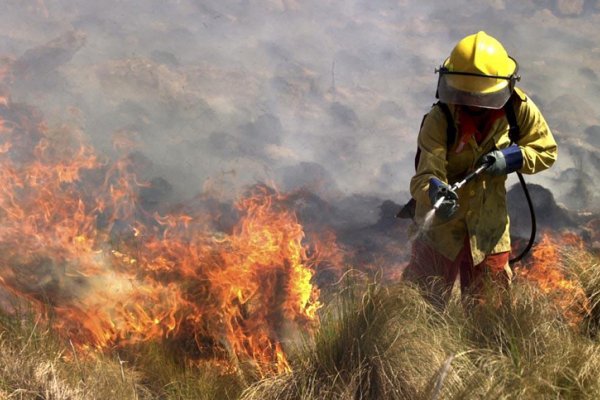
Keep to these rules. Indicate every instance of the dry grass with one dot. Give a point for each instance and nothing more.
(376, 342)
(34, 364)
(383, 342)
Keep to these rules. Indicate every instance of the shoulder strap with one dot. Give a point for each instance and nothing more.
(418, 153)
(450, 128)
(514, 132)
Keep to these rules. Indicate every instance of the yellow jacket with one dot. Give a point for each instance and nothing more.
(482, 213)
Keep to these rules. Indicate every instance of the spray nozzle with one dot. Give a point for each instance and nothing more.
(444, 191)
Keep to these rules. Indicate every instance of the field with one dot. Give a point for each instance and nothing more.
(198, 201)
(375, 341)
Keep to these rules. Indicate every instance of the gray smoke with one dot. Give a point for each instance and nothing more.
(328, 94)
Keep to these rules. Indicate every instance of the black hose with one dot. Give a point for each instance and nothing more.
(533, 223)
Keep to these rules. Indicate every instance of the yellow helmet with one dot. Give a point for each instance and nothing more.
(479, 73)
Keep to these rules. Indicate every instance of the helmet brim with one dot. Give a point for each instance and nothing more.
(496, 99)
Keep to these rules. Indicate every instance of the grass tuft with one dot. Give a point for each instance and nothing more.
(385, 342)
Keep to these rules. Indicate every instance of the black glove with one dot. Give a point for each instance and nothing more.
(437, 190)
(503, 161)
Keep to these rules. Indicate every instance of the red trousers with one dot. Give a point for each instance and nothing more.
(435, 274)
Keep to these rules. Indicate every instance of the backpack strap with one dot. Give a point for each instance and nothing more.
(418, 153)
(514, 132)
(450, 129)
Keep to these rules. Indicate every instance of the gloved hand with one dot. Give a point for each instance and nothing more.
(437, 190)
(503, 161)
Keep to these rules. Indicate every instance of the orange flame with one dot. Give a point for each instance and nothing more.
(546, 270)
(75, 242)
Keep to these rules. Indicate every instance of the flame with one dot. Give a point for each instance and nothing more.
(76, 244)
(546, 270)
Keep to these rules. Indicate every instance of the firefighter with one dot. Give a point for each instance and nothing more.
(468, 236)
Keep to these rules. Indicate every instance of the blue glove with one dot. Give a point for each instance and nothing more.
(437, 190)
(503, 161)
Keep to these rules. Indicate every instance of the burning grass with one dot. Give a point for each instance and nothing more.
(80, 246)
(376, 341)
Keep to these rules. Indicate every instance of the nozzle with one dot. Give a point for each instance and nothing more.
(443, 191)
(439, 202)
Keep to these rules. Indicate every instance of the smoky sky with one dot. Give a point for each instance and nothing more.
(327, 94)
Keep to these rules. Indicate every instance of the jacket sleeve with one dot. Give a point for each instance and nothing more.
(432, 161)
(536, 142)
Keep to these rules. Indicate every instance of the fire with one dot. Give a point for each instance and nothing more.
(546, 270)
(77, 245)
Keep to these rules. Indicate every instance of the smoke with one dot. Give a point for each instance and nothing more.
(324, 93)
(190, 104)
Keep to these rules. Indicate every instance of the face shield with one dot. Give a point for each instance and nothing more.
(476, 90)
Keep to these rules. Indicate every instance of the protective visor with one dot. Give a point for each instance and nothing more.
(477, 90)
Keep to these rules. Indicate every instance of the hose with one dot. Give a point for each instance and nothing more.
(533, 222)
